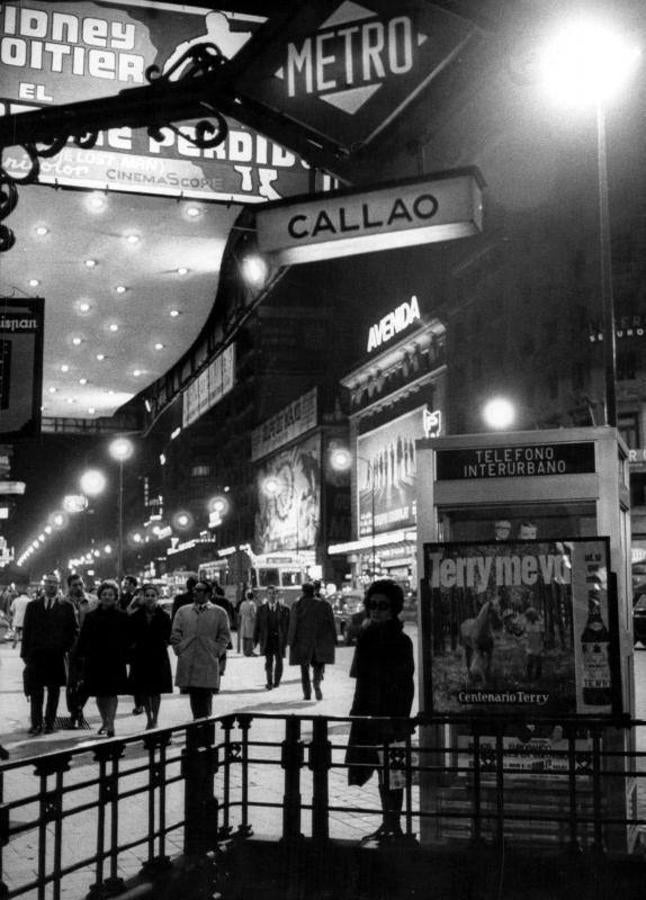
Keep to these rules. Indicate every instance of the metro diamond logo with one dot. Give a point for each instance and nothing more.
(351, 56)
(343, 69)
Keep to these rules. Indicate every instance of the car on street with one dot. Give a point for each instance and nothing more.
(349, 613)
(639, 619)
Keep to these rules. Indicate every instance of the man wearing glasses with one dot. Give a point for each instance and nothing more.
(199, 637)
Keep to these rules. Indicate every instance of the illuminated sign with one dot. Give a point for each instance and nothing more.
(344, 223)
(387, 475)
(295, 419)
(84, 50)
(345, 70)
(21, 366)
(515, 462)
(209, 387)
(390, 325)
(12, 487)
(432, 422)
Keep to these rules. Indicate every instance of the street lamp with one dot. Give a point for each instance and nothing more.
(585, 64)
(341, 460)
(92, 482)
(499, 413)
(120, 449)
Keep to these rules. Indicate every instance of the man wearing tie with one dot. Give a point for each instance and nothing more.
(272, 622)
(49, 631)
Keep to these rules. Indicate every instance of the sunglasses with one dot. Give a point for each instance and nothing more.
(381, 605)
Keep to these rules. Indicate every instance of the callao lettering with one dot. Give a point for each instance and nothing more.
(363, 217)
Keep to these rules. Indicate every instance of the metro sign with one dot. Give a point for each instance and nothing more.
(346, 69)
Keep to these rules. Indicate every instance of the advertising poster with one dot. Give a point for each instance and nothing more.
(209, 387)
(518, 627)
(289, 514)
(66, 52)
(386, 474)
(21, 365)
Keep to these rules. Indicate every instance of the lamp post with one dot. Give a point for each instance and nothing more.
(583, 65)
(120, 449)
(341, 460)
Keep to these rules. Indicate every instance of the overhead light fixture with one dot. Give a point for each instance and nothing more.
(193, 212)
(182, 270)
(82, 380)
(96, 202)
(33, 282)
(159, 346)
(175, 433)
(53, 390)
(132, 238)
(65, 368)
(84, 307)
(174, 313)
(113, 327)
(90, 263)
(77, 341)
(121, 289)
(41, 230)
(137, 372)
(91, 410)
(100, 357)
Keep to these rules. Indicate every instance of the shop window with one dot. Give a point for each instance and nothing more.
(200, 471)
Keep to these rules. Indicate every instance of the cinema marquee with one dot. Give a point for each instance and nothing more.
(345, 223)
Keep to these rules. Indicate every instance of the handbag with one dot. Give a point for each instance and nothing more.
(396, 776)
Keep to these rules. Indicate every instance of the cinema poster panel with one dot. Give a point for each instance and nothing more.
(67, 52)
(387, 474)
(520, 627)
(21, 366)
(289, 516)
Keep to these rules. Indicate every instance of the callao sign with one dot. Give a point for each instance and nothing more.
(343, 223)
(345, 69)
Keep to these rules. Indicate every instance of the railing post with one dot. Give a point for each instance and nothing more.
(320, 763)
(51, 811)
(200, 810)
(244, 828)
(291, 760)
(110, 752)
(157, 742)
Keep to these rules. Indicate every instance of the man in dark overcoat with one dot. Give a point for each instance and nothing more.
(49, 631)
(311, 638)
(272, 623)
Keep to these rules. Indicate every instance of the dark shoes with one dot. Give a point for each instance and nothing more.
(384, 836)
(318, 692)
(36, 729)
(269, 686)
(49, 729)
(276, 683)
(138, 710)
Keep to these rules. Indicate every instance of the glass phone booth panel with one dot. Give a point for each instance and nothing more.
(551, 486)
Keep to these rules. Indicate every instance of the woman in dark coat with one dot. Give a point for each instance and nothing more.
(102, 652)
(150, 673)
(384, 668)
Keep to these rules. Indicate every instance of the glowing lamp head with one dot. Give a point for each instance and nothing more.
(586, 63)
(499, 413)
(254, 270)
(121, 449)
(92, 482)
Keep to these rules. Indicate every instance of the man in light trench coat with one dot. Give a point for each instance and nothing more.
(199, 637)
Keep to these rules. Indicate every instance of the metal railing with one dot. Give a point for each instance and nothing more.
(94, 816)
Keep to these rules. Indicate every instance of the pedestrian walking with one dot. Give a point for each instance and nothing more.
(199, 636)
(102, 652)
(272, 624)
(81, 603)
(383, 666)
(49, 631)
(17, 614)
(247, 623)
(128, 602)
(150, 673)
(219, 598)
(311, 639)
(186, 598)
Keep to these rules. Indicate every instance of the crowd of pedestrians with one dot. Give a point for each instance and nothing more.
(116, 642)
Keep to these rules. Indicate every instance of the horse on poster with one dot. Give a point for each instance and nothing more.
(477, 637)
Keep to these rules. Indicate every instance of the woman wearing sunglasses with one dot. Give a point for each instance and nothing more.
(384, 668)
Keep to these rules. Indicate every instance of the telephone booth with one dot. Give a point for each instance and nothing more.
(524, 561)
